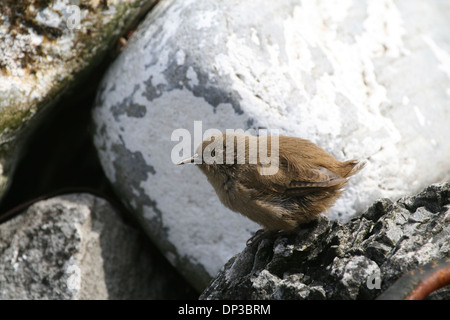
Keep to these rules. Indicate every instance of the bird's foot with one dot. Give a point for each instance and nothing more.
(256, 237)
(262, 234)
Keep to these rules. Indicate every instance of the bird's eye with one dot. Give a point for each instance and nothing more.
(213, 153)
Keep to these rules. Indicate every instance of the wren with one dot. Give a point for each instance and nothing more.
(300, 183)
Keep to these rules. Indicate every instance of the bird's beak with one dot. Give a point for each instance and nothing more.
(189, 160)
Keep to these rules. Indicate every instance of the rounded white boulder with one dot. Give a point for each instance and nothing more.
(365, 80)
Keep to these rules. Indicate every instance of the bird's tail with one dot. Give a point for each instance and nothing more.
(354, 167)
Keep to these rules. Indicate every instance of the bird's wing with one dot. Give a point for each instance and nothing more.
(316, 177)
(301, 181)
(314, 180)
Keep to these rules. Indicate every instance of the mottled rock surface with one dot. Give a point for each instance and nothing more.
(363, 79)
(46, 47)
(77, 247)
(330, 260)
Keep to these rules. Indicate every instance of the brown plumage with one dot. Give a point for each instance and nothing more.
(307, 183)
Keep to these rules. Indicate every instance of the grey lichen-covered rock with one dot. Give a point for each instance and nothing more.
(362, 79)
(330, 260)
(46, 47)
(77, 247)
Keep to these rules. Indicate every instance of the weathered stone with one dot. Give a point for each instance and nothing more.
(330, 260)
(77, 247)
(364, 79)
(46, 48)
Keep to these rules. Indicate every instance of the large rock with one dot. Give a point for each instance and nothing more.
(77, 247)
(46, 48)
(363, 79)
(329, 260)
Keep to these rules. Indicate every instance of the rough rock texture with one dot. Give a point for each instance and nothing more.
(46, 47)
(363, 79)
(329, 260)
(77, 247)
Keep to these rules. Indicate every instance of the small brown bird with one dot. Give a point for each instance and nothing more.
(305, 180)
